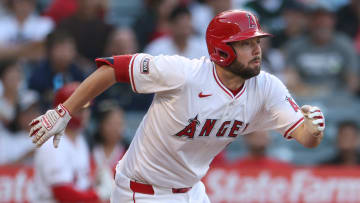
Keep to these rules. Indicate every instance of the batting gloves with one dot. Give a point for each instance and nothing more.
(52, 123)
(315, 117)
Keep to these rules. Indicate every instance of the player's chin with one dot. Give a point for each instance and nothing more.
(255, 70)
(250, 72)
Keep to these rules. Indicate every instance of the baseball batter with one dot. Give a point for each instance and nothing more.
(200, 106)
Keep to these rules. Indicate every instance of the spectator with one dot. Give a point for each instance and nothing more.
(109, 138)
(58, 68)
(22, 31)
(349, 22)
(269, 12)
(11, 77)
(323, 54)
(181, 40)
(63, 174)
(3, 11)
(257, 157)
(123, 13)
(273, 59)
(348, 19)
(59, 10)
(121, 41)
(347, 145)
(295, 23)
(82, 25)
(16, 147)
(154, 22)
(202, 13)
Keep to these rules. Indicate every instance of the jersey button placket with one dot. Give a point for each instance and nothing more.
(228, 108)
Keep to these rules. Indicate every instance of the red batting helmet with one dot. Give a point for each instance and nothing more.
(230, 26)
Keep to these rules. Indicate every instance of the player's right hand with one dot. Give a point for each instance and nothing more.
(52, 123)
(314, 119)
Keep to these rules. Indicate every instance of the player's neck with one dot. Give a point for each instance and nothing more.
(231, 81)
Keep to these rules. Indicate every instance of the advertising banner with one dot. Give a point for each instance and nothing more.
(229, 184)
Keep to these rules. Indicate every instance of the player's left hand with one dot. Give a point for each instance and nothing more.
(314, 118)
(52, 123)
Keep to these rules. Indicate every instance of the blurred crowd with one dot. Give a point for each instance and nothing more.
(45, 44)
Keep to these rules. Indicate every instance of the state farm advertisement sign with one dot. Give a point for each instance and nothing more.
(283, 185)
(229, 184)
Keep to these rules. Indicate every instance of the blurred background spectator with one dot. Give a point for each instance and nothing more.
(273, 59)
(203, 11)
(2, 9)
(18, 106)
(23, 30)
(11, 77)
(153, 23)
(72, 165)
(323, 61)
(180, 40)
(18, 130)
(269, 12)
(57, 68)
(294, 23)
(58, 10)
(124, 13)
(349, 22)
(121, 41)
(347, 144)
(110, 144)
(89, 30)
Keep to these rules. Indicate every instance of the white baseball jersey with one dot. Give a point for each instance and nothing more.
(194, 116)
(69, 163)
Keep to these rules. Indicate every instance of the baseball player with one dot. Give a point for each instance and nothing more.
(199, 107)
(63, 175)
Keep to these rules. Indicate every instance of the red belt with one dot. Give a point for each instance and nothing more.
(148, 189)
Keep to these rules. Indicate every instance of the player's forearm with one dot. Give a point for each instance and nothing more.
(95, 84)
(305, 136)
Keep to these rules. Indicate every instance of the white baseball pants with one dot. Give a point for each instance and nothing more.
(123, 193)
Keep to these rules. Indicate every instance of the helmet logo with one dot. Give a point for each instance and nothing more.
(252, 23)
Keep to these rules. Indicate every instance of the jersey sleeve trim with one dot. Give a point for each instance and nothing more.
(131, 72)
(293, 127)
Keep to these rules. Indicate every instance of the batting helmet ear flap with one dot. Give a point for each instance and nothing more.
(224, 55)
